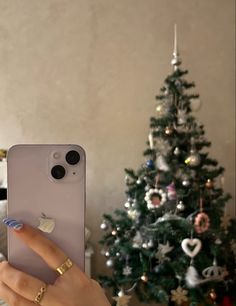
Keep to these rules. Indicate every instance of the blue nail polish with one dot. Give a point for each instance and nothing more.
(16, 225)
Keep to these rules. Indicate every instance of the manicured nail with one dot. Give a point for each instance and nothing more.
(16, 225)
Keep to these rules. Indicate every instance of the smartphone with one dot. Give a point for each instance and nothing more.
(46, 189)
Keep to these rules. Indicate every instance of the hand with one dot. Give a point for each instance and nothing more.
(73, 288)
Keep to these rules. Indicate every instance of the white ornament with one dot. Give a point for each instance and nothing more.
(214, 272)
(127, 271)
(194, 242)
(155, 197)
(195, 104)
(179, 295)
(182, 116)
(151, 141)
(137, 240)
(162, 146)
(192, 277)
(133, 213)
(163, 249)
(122, 299)
(46, 224)
(162, 164)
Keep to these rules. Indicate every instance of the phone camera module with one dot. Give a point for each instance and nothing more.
(58, 172)
(72, 157)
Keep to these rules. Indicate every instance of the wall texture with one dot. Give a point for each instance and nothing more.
(87, 71)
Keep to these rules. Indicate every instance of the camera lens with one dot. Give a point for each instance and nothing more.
(72, 157)
(58, 172)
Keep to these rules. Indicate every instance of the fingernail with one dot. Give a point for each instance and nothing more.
(16, 225)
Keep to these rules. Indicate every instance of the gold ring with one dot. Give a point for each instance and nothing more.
(65, 266)
(40, 294)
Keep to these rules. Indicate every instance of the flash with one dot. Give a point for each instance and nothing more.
(56, 155)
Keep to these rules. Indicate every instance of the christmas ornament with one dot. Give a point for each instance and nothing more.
(139, 181)
(195, 104)
(185, 182)
(104, 226)
(202, 221)
(162, 109)
(122, 299)
(127, 179)
(127, 271)
(150, 164)
(109, 263)
(214, 272)
(163, 249)
(162, 164)
(194, 159)
(155, 198)
(150, 244)
(192, 278)
(179, 295)
(114, 232)
(137, 240)
(171, 191)
(151, 140)
(195, 245)
(176, 61)
(209, 184)
(145, 245)
(181, 116)
(162, 146)
(180, 206)
(169, 130)
(107, 254)
(127, 205)
(177, 151)
(144, 278)
(213, 295)
(133, 213)
(225, 221)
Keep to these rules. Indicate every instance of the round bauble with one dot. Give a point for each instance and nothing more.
(144, 278)
(107, 254)
(109, 263)
(168, 130)
(180, 206)
(127, 205)
(213, 295)
(209, 184)
(150, 164)
(185, 182)
(104, 226)
(194, 159)
(139, 181)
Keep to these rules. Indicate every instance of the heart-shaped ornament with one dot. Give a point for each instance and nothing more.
(195, 245)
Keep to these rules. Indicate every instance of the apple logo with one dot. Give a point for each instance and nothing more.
(46, 224)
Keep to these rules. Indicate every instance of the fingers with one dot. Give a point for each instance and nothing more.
(23, 284)
(44, 247)
(12, 298)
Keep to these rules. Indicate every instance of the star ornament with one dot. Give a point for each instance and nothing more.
(127, 271)
(122, 300)
(163, 249)
(179, 295)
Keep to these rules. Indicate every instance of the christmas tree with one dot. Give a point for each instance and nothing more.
(173, 243)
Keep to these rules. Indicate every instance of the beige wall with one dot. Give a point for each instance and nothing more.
(87, 71)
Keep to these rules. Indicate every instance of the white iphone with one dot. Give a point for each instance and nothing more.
(46, 189)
